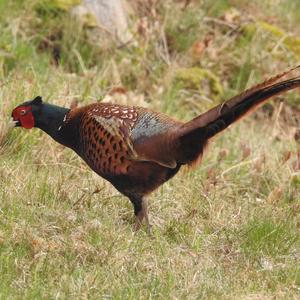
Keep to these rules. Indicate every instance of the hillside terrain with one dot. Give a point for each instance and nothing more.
(228, 229)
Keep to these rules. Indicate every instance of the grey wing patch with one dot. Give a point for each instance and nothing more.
(150, 136)
(141, 142)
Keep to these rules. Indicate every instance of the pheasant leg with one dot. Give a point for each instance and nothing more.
(141, 213)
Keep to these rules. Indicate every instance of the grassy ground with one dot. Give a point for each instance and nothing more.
(226, 230)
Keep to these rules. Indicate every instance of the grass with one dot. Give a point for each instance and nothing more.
(226, 230)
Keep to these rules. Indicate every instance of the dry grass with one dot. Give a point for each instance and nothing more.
(227, 230)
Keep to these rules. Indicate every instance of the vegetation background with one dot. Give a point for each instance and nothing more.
(226, 230)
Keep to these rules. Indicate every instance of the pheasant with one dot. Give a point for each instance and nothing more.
(137, 149)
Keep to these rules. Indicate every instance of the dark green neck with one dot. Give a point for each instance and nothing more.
(49, 118)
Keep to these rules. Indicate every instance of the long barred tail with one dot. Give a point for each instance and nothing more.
(193, 135)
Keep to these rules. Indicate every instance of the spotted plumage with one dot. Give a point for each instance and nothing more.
(137, 149)
(105, 140)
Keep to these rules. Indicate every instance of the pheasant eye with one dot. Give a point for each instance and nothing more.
(22, 112)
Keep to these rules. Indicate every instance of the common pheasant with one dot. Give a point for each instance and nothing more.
(137, 149)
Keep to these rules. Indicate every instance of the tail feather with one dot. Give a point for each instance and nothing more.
(194, 135)
(229, 114)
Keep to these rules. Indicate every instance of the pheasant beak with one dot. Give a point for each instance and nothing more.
(12, 123)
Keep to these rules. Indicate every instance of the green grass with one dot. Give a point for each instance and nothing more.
(226, 230)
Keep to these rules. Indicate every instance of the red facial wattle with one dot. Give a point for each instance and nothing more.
(24, 116)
